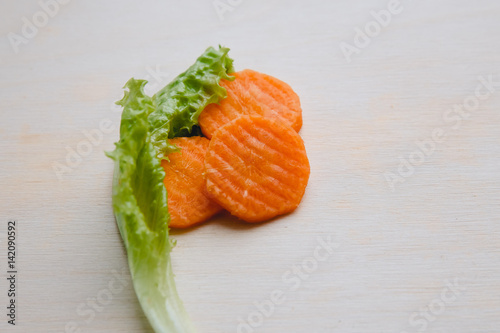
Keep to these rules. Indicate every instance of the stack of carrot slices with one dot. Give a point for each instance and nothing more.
(254, 165)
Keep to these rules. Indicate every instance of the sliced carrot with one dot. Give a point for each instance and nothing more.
(256, 168)
(253, 93)
(188, 202)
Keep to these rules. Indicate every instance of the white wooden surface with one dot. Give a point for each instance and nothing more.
(397, 249)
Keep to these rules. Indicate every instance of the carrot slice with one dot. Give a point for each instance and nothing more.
(252, 93)
(188, 202)
(256, 168)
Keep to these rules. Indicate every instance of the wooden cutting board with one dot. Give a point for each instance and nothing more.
(399, 228)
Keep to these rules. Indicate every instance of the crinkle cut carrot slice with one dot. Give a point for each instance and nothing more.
(253, 93)
(256, 168)
(188, 202)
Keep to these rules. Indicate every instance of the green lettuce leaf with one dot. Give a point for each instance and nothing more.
(140, 206)
(178, 105)
(139, 195)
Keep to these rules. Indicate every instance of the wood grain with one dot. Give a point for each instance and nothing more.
(397, 250)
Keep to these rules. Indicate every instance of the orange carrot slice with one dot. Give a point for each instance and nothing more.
(252, 93)
(256, 168)
(188, 202)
